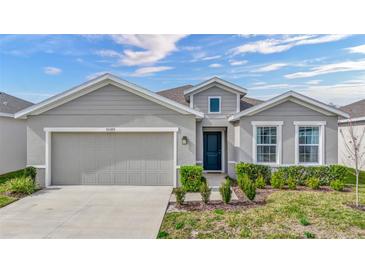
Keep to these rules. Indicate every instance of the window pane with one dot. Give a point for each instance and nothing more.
(266, 135)
(214, 105)
(308, 135)
(266, 154)
(308, 154)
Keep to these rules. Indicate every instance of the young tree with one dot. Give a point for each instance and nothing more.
(353, 139)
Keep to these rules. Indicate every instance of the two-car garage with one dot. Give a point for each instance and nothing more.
(120, 157)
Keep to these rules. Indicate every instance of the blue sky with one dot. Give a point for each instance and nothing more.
(330, 68)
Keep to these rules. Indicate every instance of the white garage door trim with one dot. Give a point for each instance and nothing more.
(50, 130)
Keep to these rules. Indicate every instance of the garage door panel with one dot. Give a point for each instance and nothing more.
(112, 158)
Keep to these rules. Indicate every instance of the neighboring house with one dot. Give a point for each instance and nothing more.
(13, 136)
(110, 131)
(356, 111)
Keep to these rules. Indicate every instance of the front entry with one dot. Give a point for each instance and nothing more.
(212, 150)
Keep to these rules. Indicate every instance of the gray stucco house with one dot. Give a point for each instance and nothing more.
(110, 131)
(13, 142)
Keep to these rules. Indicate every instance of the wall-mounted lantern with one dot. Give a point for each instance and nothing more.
(184, 140)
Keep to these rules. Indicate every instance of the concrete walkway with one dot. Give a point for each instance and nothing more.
(87, 212)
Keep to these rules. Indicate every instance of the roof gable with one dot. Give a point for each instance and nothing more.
(10, 104)
(290, 96)
(356, 109)
(215, 81)
(97, 83)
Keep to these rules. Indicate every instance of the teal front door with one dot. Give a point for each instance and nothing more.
(212, 150)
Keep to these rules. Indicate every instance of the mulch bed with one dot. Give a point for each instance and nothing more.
(242, 202)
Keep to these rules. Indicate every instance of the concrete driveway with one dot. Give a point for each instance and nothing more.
(87, 212)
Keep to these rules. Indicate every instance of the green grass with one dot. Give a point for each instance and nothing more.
(5, 200)
(287, 214)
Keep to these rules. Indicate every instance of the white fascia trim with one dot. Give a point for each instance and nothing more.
(279, 147)
(37, 166)
(222, 82)
(4, 114)
(358, 119)
(104, 80)
(321, 148)
(282, 98)
(220, 104)
(111, 129)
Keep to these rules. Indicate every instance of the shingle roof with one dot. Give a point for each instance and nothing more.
(356, 109)
(177, 94)
(11, 104)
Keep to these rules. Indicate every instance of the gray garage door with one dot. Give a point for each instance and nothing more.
(112, 158)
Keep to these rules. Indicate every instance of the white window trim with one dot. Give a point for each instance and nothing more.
(279, 130)
(48, 144)
(321, 155)
(220, 104)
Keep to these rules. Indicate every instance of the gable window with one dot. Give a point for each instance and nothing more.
(309, 142)
(214, 104)
(267, 142)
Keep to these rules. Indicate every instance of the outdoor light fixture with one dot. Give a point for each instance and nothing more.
(184, 140)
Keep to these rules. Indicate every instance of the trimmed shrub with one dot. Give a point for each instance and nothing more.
(292, 184)
(242, 181)
(297, 173)
(30, 172)
(205, 192)
(277, 179)
(180, 195)
(250, 190)
(191, 177)
(22, 185)
(260, 182)
(337, 185)
(338, 172)
(313, 183)
(253, 171)
(226, 192)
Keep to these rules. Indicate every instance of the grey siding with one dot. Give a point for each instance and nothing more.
(110, 100)
(13, 144)
(228, 100)
(288, 112)
(64, 116)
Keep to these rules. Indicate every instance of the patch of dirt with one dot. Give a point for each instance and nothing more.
(360, 207)
(212, 205)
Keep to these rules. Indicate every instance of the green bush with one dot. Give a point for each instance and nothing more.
(260, 182)
(292, 184)
(191, 177)
(30, 172)
(253, 171)
(180, 195)
(205, 192)
(225, 191)
(337, 185)
(297, 173)
(22, 185)
(242, 181)
(250, 190)
(338, 172)
(313, 183)
(277, 179)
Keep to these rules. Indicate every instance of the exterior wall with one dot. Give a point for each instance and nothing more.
(228, 100)
(68, 115)
(288, 112)
(343, 153)
(13, 145)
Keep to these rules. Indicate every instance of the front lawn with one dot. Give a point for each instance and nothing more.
(286, 214)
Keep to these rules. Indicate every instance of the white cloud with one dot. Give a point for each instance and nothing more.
(271, 67)
(191, 48)
(211, 57)
(273, 86)
(314, 82)
(357, 49)
(52, 70)
(154, 48)
(237, 63)
(329, 68)
(259, 83)
(96, 74)
(272, 45)
(215, 65)
(149, 70)
(108, 53)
